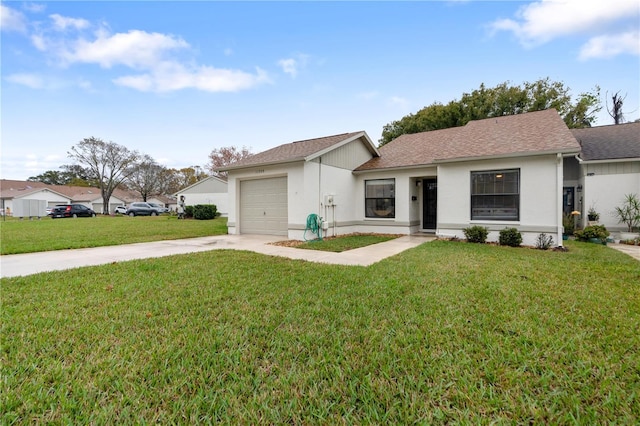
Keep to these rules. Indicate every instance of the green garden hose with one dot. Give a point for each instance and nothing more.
(314, 224)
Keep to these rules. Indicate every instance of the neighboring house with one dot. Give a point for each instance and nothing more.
(211, 190)
(607, 169)
(499, 172)
(13, 190)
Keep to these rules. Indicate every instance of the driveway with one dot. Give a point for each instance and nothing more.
(32, 263)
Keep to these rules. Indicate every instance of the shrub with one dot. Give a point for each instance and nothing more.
(629, 212)
(568, 222)
(592, 232)
(476, 234)
(510, 237)
(544, 241)
(205, 211)
(188, 211)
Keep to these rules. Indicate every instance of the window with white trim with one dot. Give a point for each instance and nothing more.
(380, 198)
(495, 195)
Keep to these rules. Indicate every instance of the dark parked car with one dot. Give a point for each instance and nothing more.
(141, 209)
(159, 208)
(72, 210)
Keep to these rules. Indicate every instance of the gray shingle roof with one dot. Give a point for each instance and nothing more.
(522, 134)
(609, 142)
(294, 151)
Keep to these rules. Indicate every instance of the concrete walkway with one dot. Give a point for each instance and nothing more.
(633, 251)
(32, 263)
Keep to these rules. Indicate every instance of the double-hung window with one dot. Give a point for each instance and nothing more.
(380, 198)
(495, 195)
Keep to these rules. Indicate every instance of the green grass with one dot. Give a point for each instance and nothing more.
(444, 333)
(346, 242)
(27, 236)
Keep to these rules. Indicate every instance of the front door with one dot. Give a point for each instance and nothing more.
(568, 202)
(429, 203)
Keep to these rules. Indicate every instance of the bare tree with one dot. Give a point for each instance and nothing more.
(616, 107)
(109, 164)
(146, 177)
(224, 156)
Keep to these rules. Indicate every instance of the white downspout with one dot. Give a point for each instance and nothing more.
(559, 186)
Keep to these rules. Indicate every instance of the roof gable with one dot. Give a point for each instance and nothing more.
(304, 150)
(531, 133)
(613, 142)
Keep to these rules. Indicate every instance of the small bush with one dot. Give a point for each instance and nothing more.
(544, 241)
(476, 234)
(205, 211)
(188, 211)
(594, 231)
(510, 237)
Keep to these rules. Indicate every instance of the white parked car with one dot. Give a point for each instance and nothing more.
(121, 210)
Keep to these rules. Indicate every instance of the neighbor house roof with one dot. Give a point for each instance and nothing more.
(609, 142)
(19, 188)
(300, 151)
(531, 133)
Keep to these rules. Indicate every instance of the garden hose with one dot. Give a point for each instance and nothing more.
(314, 224)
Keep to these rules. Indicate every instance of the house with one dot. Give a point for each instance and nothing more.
(607, 168)
(211, 190)
(498, 172)
(13, 192)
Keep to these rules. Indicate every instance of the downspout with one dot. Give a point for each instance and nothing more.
(559, 186)
(319, 185)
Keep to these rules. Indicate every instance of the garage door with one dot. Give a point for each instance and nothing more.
(263, 206)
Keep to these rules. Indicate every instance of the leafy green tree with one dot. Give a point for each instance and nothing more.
(110, 164)
(503, 99)
(71, 174)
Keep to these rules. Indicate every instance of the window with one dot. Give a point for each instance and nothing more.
(380, 198)
(495, 195)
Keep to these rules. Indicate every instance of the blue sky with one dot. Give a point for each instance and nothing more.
(175, 80)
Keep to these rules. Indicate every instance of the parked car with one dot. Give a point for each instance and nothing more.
(72, 210)
(159, 208)
(48, 210)
(121, 210)
(140, 209)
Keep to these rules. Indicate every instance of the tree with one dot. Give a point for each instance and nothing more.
(504, 99)
(146, 177)
(616, 107)
(71, 175)
(109, 164)
(224, 156)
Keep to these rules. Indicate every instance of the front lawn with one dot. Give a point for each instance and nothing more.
(444, 333)
(340, 243)
(27, 236)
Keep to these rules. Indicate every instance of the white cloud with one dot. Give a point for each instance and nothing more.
(61, 23)
(34, 7)
(33, 81)
(607, 46)
(293, 65)
(135, 49)
(542, 21)
(171, 76)
(12, 20)
(289, 66)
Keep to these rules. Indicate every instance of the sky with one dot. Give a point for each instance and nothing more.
(176, 80)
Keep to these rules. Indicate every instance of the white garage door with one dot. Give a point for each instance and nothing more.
(263, 206)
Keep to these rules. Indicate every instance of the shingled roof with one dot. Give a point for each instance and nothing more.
(514, 135)
(19, 188)
(609, 142)
(295, 151)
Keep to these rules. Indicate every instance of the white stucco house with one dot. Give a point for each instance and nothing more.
(211, 190)
(607, 168)
(499, 172)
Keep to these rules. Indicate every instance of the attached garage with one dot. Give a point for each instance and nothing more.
(263, 206)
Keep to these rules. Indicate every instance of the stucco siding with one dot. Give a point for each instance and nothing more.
(538, 197)
(605, 192)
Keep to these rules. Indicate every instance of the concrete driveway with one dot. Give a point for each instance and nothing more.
(32, 263)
